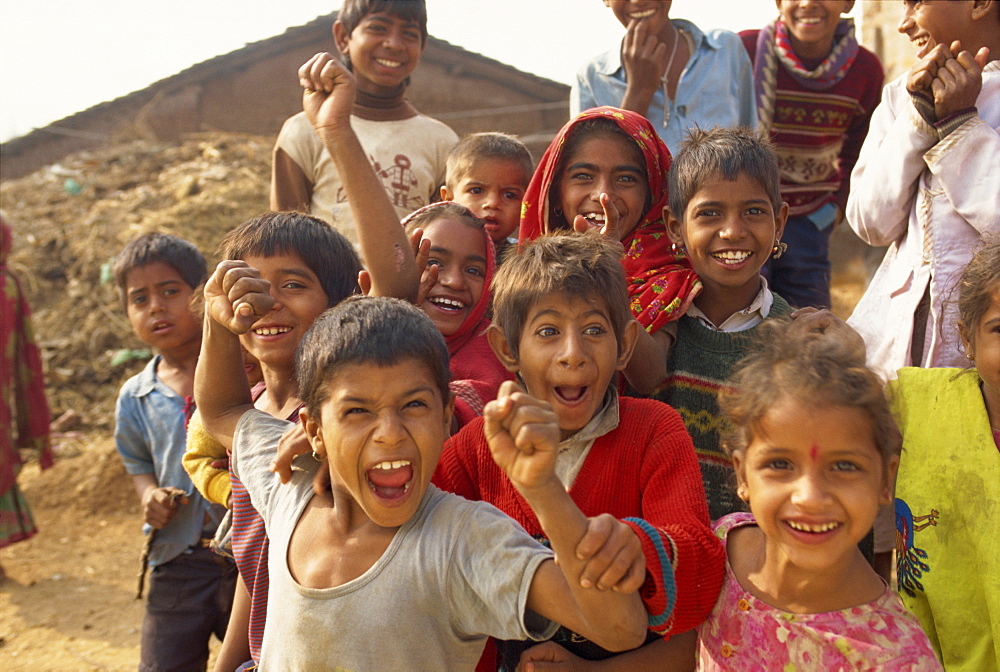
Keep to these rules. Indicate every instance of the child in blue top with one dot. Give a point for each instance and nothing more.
(670, 72)
(190, 588)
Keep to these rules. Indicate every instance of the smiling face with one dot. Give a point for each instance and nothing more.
(567, 355)
(492, 189)
(928, 23)
(298, 300)
(814, 479)
(459, 252)
(384, 50)
(982, 342)
(812, 23)
(603, 163)
(655, 12)
(158, 304)
(381, 429)
(729, 229)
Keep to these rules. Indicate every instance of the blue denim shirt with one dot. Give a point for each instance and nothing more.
(150, 437)
(716, 87)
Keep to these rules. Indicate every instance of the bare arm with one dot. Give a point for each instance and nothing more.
(523, 434)
(235, 649)
(679, 654)
(647, 368)
(235, 297)
(327, 100)
(290, 188)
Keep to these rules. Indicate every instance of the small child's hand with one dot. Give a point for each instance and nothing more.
(550, 657)
(428, 273)
(925, 69)
(612, 220)
(828, 325)
(159, 505)
(614, 556)
(328, 91)
(644, 57)
(523, 433)
(293, 443)
(236, 296)
(958, 81)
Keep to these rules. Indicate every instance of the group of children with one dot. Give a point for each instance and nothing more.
(481, 411)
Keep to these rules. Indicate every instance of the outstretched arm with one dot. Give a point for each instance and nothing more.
(523, 434)
(327, 99)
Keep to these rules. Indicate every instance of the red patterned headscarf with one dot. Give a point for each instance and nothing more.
(661, 285)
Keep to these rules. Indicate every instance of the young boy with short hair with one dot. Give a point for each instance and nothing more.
(488, 173)
(156, 276)
(816, 91)
(384, 571)
(381, 42)
(563, 326)
(669, 71)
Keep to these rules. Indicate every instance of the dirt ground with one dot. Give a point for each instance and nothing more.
(68, 602)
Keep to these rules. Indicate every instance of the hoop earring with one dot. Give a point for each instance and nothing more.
(678, 250)
(779, 249)
(316, 456)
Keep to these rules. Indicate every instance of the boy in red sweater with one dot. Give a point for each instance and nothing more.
(816, 91)
(562, 325)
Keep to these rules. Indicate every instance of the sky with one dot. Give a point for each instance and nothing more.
(59, 57)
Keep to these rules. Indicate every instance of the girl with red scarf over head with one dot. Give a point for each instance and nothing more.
(607, 170)
(455, 294)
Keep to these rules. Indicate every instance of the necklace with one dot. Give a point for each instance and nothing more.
(665, 79)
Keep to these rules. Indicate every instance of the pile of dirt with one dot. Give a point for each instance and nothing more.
(71, 218)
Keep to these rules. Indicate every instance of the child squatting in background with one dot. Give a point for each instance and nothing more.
(727, 217)
(669, 71)
(190, 587)
(816, 91)
(381, 42)
(815, 450)
(606, 169)
(488, 173)
(383, 550)
(926, 183)
(947, 549)
(562, 325)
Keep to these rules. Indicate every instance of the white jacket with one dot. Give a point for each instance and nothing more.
(931, 202)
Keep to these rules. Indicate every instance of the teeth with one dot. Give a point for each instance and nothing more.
(811, 21)
(815, 529)
(642, 15)
(271, 331)
(387, 63)
(393, 464)
(447, 303)
(921, 41)
(732, 256)
(595, 216)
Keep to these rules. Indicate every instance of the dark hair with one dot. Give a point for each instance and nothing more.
(580, 133)
(728, 152)
(579, 265)
(980, 281)
(482, 146)
(367, 330)
(420, 218)
(793, 360)
(165, 248)
(327, 253)
(353, 11)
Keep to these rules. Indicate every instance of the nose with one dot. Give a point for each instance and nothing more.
(810, 492)
(572, 355)
(393, 38)
(492, 201)
(602, 185)
(388, 429)
(451, 277)
(157, 304)
(906, 22)
(733, 228)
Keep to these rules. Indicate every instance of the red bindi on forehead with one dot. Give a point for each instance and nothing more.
(813, 451)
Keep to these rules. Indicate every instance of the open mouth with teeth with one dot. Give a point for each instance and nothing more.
(643, 14)
(732, 257)
(810, 528)
(386, 63)
(390, 480)
(271, 331)
(160, 326)
(446, 304)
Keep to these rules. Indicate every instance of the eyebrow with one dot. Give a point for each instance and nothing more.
(445, 251)
(753, 201)
(300, 272)
(157, 285)
(353, 399)
(550, 311)
(593, 166)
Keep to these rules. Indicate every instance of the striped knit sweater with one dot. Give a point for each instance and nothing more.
(644, 471)
(818, 134)
(699, 366)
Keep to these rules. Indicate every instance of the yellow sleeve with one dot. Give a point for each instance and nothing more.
(212, 482)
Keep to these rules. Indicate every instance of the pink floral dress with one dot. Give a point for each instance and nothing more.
(743, 633)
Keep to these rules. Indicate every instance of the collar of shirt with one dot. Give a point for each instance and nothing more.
(574, 450)
(613, 62)
(148, 381)
(748, 318)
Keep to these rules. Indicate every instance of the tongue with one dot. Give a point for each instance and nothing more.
(390, 478)
(571, 393)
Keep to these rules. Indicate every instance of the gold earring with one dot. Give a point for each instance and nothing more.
(778, 249)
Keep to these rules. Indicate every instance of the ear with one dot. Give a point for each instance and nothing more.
(887, 496)
(780, 218)
(449, 414)
(982, 8)
(312, 429)
(740, 467)
(446, 194)
(341, 37)
(674, 226)
(630, 336)
(501, 348)
(965, 334)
